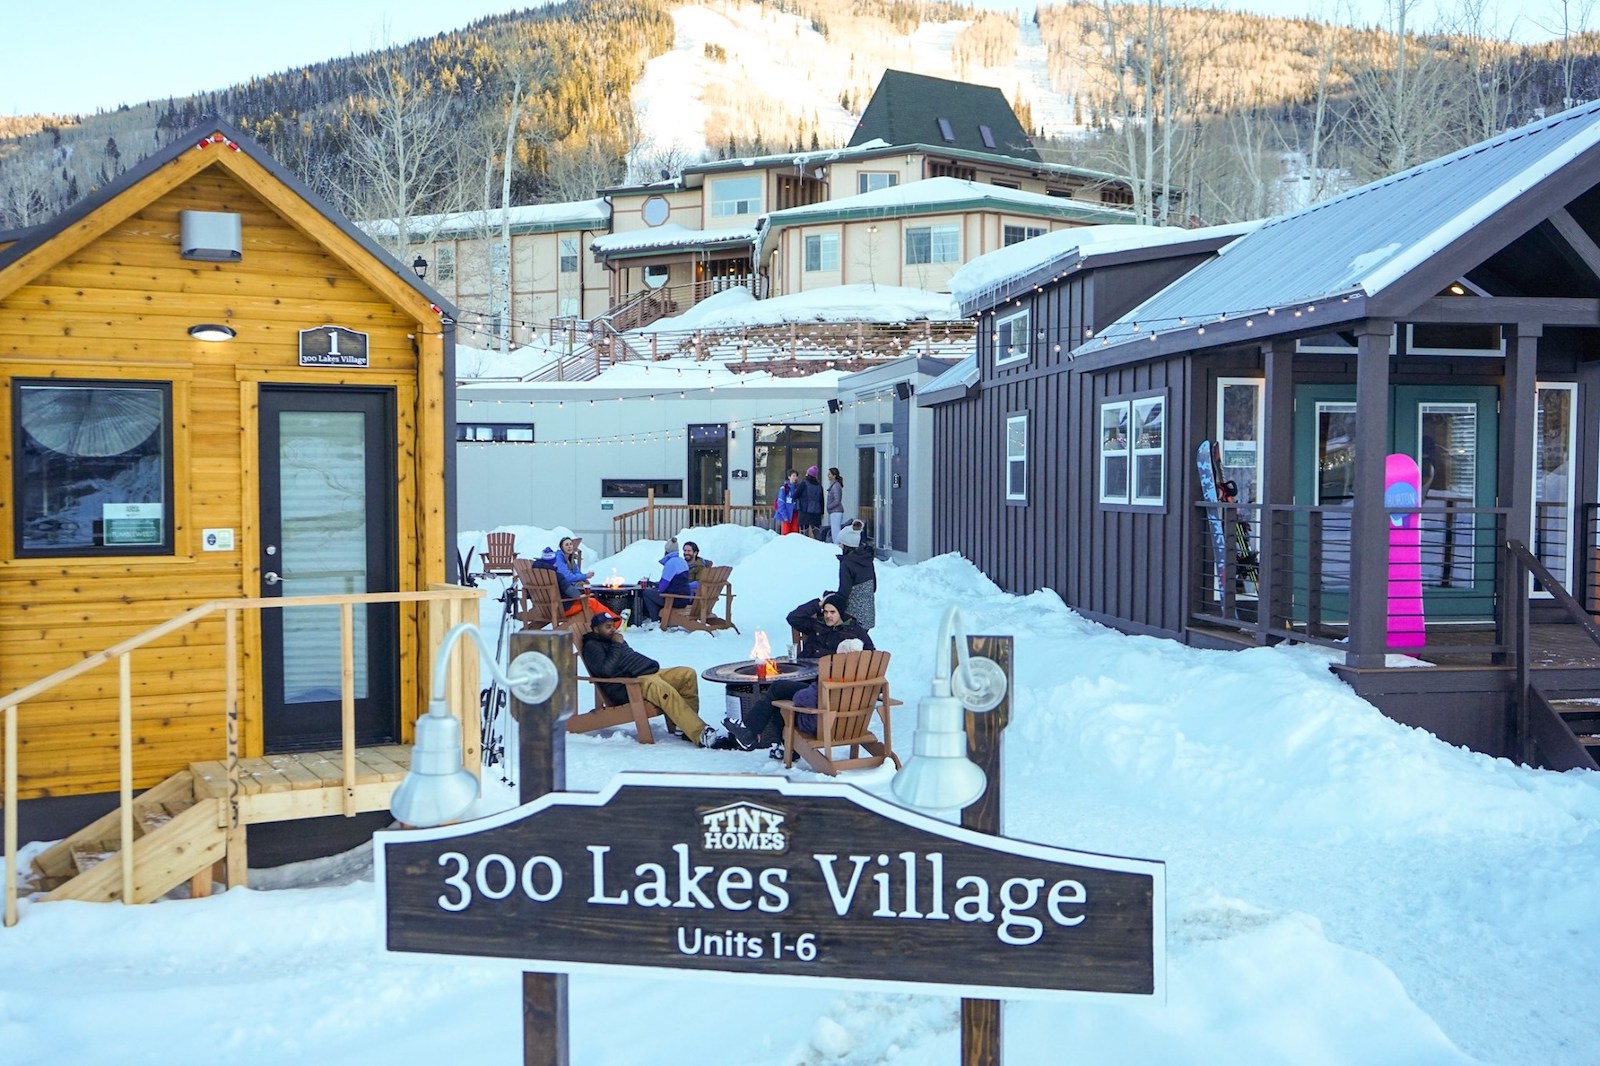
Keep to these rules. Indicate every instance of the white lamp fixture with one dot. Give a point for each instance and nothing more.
(939, 777)
(438, 788)
(211, 331)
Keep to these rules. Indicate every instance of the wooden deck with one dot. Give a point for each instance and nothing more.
(276, 788)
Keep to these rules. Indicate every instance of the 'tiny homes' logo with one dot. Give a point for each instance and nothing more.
(743, 826)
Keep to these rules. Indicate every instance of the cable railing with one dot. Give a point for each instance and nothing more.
(456, 601)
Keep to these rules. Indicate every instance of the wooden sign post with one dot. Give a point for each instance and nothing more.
(980, 1018)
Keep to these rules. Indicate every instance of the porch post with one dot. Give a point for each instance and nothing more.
(1516, 483)
(1369, 524)
(1277, 483)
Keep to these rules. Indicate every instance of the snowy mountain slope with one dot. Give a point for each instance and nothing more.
(740, 67)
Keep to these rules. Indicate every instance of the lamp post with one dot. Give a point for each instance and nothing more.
(437, 788)
(419, 266)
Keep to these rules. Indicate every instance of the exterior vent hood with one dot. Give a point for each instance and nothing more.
(212, 236)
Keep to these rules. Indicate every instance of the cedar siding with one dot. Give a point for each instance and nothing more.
(106, 296)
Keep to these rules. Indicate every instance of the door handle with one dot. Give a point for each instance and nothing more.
(269, 578)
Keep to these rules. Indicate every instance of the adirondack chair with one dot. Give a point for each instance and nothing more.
(694, 613)
(606, 714)
(500, 555)
(850, 688)
(540, 604)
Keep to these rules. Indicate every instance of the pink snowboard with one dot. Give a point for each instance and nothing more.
(1403, 488)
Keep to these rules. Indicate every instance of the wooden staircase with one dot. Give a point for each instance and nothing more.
(178, 837)
(1566, 729)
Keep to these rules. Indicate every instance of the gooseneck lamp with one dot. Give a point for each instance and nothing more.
(438, 788)
(939, 777)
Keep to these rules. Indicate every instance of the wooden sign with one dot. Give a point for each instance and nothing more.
(332, 346)
(772, 879)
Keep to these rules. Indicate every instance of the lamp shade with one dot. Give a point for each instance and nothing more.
(438, 789)
(939, 777)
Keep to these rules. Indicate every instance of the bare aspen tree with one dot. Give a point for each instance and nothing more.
(1492, 80)
(1565, 20)
(1404, 103)
(404, 153)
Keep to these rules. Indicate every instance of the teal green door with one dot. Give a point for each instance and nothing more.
(1453, 433)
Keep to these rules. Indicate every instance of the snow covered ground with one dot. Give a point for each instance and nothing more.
(1341, 889)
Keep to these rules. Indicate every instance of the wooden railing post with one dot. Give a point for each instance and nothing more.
(236, 867)
(11, 814)
(650, 513)
(125, 768)
(347, 704)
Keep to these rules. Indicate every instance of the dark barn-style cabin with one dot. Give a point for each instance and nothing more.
(217, 390)
(1450, 313)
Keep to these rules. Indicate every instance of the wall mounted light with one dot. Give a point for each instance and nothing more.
(419, 267)
(211, 331)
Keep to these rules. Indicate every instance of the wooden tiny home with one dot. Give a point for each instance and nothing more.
(1449, 313)
(216, 389)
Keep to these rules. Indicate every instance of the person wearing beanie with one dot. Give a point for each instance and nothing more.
(823, 623)
(858, 575)
(676, 690)
(809, 503)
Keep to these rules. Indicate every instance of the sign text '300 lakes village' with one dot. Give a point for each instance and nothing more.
(777, 879)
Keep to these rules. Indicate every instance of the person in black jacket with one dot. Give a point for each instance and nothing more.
(809, 502)
(822, 624)
(858, 575)
(676, 690)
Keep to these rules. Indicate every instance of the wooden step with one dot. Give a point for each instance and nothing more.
(58, 864)
(174, 852)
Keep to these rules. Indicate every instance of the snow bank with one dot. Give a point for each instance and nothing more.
(838, 303)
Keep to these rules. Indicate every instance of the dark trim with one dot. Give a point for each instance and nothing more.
(451, 468)
(1337, 310)
(1504, 311)
(187, 143)
(948, 395)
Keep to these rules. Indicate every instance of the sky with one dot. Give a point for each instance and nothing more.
(141, 51)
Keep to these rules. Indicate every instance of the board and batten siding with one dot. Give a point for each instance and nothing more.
(1119, 564)
(118, 309)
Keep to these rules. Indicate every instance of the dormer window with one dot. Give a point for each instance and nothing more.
(946, 131)
(988, 136)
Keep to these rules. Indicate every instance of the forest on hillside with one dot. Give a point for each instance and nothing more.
(1199, 108)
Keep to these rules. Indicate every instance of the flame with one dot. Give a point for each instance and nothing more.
(761, 652)
(615, 580)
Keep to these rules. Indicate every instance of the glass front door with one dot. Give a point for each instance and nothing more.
(1452, 432)
(327, 527)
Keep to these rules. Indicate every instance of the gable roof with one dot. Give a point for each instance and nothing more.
(224, 146)
(908, 108)
(1344, 255)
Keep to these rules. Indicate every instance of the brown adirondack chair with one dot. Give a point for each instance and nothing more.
(499, 555)
(850, 688)
(607, 714)
(540, 604)
(694, 613)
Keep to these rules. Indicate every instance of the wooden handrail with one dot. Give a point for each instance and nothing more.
(122, 653)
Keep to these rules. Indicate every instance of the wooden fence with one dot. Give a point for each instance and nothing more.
(658, 521)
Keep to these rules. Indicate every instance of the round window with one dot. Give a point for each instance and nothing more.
(655, 211)
(656, 276)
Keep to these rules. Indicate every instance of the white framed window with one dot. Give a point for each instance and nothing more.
(1114, 451)
(933, 244)
(731, 197)
(1010, 235)
(1240, 414)
(569, 255)
(1150, 451)
(822, 251)
(1555, 447)
(1017, 457)
(1013, 337)
(872, 181)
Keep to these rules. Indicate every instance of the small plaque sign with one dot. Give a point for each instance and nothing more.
(131, 523)
(332, 346)
(773, 881)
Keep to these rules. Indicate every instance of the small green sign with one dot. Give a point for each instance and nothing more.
(131, 523)
(607, 505)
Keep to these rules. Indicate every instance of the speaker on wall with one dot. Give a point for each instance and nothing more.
(902, 390)
(834, 407)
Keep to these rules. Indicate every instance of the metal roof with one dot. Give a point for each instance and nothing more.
(909, 108)
(1354, 246)
(950, 385)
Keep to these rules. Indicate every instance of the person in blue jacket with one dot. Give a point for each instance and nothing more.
(674, 582)
(786, 507)
(569, 570)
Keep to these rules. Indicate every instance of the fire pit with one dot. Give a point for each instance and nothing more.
(748, 679)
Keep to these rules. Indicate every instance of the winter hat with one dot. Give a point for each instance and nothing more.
(603, 615)
(839, 602)
(548, 555)
(847, 646)
(849, 538)
(811, 471)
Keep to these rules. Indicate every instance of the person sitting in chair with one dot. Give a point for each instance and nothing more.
(676, 690)
(823, 623)
(695, 561)
(674, 582)
(569, 569)
(762, 724)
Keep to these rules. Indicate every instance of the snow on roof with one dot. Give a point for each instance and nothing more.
(1370, 238)
(837, 303)
(933, 192)
(992, 272)
(669, 235)
(575, 214)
